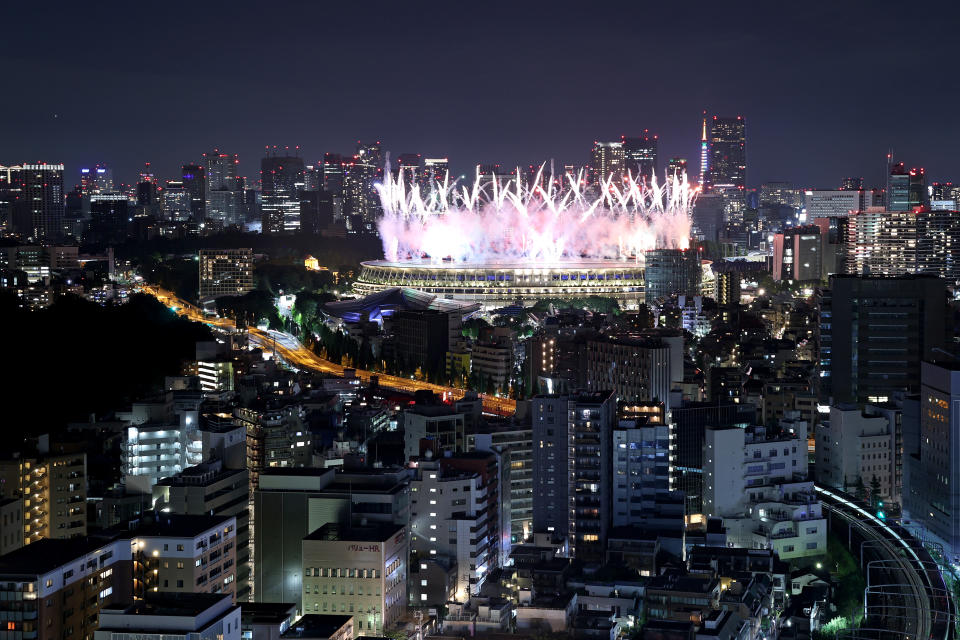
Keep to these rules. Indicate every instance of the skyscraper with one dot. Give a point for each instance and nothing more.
(727, 153)
(640, 154)
(677, 167)
(435, 169)
(851, 184)
(572, 467)
(333, 173)
(906, 190)
(196, 184)
(607, 160)
(35, 200)
(408, 167)
(281, 178)
(360, 197)
(224, 198)
(797, 254)
(96, 180)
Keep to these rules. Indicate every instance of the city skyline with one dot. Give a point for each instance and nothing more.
(525, 106)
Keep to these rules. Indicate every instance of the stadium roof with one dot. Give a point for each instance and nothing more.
(385, 303)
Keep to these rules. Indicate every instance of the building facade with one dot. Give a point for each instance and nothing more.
(357, 570)
(225, 272)
(755, 479)
(874, 333)
(572, 460)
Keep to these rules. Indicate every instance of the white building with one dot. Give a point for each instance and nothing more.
(825, 204)
(360, 571)
(856, 447)
(756, 480)
(150, 451)
(193, 616)
(453, 519)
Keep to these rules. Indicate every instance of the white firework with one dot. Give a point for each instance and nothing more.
(491, 221)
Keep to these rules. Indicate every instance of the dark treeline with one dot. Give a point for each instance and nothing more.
(76, 357)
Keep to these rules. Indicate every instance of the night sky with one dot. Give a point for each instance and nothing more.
(825, 90)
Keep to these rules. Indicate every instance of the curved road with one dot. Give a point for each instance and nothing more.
(920, 610)
(291, 350)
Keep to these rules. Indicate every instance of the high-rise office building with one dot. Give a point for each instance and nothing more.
(779, 193)
(176, 201)
(221, 170)
(109, 217)
(607, 160)
(572, 457)
(707, 216)
(281, 180)
(147, 190)
(35, 200)
(874, 333)
(728, 153)
(333, 170)
(408, 168)
(224, 195)
(360, 198)
(195, 182)
(851, 184)
(797, 254)
(678, 167)
(640, 155)
(906, 189)
(842, 202)
(225, 272)
(435, 170)
(97, 179)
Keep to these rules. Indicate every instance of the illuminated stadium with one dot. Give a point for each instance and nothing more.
(497, 244)
(498, 284)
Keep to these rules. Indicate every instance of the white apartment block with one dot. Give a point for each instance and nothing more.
(153, 451)
(756, 480)
(450, 520)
